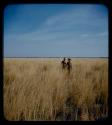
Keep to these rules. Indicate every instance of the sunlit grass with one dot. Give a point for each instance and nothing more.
(39, 90)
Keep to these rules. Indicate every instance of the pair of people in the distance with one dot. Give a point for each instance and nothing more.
(66, 65)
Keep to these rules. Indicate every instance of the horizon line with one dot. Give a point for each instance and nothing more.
(55, 57)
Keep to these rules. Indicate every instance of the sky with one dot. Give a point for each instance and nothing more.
(55, 30)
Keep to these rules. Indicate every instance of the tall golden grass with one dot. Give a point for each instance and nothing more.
(39, 90)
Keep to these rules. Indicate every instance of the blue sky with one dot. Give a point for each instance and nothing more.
(42, 30)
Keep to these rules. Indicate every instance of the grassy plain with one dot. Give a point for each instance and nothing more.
(37, 89)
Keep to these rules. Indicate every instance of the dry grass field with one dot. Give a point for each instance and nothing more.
(36, 89)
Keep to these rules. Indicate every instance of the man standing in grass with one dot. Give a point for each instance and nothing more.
(69, 65)
(63, 63)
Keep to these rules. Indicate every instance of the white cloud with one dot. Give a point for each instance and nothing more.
(85, 35)
(103, 33)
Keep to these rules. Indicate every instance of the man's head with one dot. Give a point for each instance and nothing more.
(69, 59)
(64, 58)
